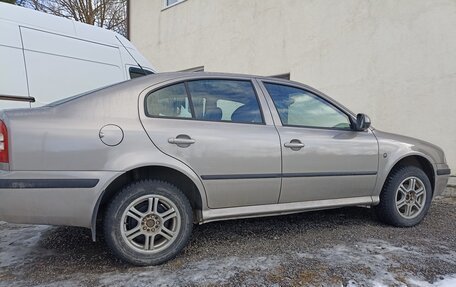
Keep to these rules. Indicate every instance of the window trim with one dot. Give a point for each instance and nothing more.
(324, 99)
(146, 112)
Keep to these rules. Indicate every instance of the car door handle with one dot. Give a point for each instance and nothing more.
(181, 141)
(294, 144)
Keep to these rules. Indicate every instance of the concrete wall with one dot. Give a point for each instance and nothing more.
(394, 60)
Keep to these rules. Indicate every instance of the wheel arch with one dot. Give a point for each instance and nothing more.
(418, 160)
(174, 176)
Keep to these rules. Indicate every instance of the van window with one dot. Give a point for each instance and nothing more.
(137, 72)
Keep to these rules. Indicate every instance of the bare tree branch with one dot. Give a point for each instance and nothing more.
(109, 14)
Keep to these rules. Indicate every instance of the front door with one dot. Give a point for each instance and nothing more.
(218, 129)
(323, 158)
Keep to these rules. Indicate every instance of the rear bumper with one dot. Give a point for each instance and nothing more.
(443, 173)
(51, 197)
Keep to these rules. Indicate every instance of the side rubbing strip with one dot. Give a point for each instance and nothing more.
(241, 176)
(47, 183)
(445, 171)
(320, 174)
(278, 175)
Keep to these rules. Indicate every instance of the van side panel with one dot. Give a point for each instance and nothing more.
(13, 79)
(59, 66)
(50, 58)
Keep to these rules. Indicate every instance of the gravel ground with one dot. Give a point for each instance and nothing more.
(342, 247)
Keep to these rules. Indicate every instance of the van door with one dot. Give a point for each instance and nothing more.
(13, 79)
(60, 66)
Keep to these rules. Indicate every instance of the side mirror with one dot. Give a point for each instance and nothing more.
(363, 122)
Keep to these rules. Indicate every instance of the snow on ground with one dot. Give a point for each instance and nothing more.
(204, 272)
(19, 244)
(377, 264)
(445, 281)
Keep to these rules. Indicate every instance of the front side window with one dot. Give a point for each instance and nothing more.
(169, 102)
(298, 107)
(225, 100)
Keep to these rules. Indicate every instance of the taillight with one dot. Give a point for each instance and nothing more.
(4, 158)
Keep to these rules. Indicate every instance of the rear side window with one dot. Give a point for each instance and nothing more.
(225, 100)
(169, 102)
(208, 100)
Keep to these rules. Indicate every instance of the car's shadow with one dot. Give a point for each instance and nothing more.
(72, 246)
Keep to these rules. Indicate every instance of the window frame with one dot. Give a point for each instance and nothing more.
(190, 100)
(316, 94)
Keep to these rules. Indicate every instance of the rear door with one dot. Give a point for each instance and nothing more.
(223, 131)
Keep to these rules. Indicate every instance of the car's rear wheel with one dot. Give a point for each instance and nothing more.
(405, 198)
(148, 222)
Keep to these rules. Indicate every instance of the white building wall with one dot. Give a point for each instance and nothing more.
(393, 60)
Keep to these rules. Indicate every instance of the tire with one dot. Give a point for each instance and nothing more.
(396, 207)
(148, 223)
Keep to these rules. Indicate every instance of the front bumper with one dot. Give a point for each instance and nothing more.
(443, 173)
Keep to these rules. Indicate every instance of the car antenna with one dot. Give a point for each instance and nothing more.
(137, 63)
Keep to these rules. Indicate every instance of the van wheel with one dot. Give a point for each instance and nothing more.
(405, 198)
(148, 223)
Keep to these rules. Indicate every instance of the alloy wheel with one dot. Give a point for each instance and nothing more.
(410, 197)
(150, 223)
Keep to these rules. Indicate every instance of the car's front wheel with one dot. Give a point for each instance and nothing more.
(148, 222)
(405, 197)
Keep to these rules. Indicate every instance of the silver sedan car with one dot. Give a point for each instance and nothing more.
(144, 160)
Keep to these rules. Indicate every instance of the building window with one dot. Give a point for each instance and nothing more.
(169, 3)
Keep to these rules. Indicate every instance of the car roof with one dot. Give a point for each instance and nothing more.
(160, 77)
(137, 85)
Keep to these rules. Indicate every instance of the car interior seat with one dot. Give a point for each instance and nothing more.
(247, 113)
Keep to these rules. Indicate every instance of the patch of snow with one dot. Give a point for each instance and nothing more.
(446, 281)
(18, 243)
(379, 259)
(203, 272)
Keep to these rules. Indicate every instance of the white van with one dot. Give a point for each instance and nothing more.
(44, 58)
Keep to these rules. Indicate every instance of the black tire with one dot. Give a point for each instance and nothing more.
(387, 211)
(113, 230)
